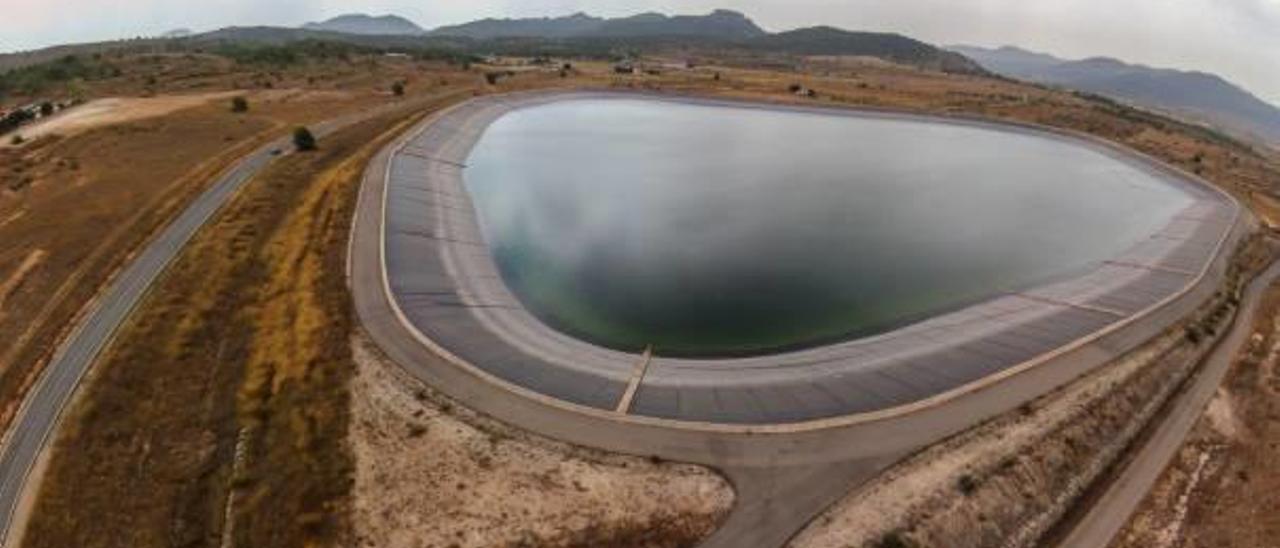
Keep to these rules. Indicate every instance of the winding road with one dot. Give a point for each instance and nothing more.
(37, 419)
(1111, 511)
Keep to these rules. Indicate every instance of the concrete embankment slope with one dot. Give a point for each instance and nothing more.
(443, 281)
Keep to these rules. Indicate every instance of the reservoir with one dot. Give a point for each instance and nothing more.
(719, 231)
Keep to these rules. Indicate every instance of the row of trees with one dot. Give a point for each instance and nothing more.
(34, 79)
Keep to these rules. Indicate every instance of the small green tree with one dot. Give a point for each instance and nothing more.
(46, 109)
(303, 139)
(239, 104)
(397, 89)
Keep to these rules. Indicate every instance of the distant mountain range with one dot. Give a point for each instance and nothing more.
(890, 47)
(358, 23)
(1197, 94)
(723, 24)
(577, 34)
(720, 28)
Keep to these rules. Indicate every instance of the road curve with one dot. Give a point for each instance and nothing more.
(1111, 511)
(37, 418)
(783, 476)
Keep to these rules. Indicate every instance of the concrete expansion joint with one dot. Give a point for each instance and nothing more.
(458, 165)
(633, 385)
(1080, 306)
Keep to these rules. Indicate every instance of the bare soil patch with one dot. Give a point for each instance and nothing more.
(431, 473)
(115, 110)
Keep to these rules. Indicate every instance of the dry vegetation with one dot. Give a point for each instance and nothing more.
(81, 204)
(1223, 488)
(429, 472)
(221, 414)
(230, 379)
(83, 197)
(1007, 482)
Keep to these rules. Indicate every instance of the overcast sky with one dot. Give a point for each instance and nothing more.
(1239, 39)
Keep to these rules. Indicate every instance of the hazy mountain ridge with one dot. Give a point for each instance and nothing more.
(573, 34)
(724, 28)
(717, 24)
(359, 23)
(1199, 94)
(548, 27)
(824, 40)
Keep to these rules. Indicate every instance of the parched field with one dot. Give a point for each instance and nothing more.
(75, 202)
(223, 414)
(221, 409)
(430, 472)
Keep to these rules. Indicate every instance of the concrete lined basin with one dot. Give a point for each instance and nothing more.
(713, 231)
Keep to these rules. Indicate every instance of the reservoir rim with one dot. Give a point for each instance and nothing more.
(1173, 306)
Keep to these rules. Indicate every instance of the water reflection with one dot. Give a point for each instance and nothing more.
(719, 231)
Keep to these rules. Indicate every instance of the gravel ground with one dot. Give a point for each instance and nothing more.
(431, 473)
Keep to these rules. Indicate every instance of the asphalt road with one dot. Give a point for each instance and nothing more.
(1111, 511)
(784, 477)
(36, 421)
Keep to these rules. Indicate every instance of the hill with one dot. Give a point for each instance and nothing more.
(574, 35)
(357, 23)
(890, 47)
(723, 24)
(720, 28)
(1198, 94)
(544, 27)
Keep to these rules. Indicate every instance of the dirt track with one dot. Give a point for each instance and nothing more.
(114, 110)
